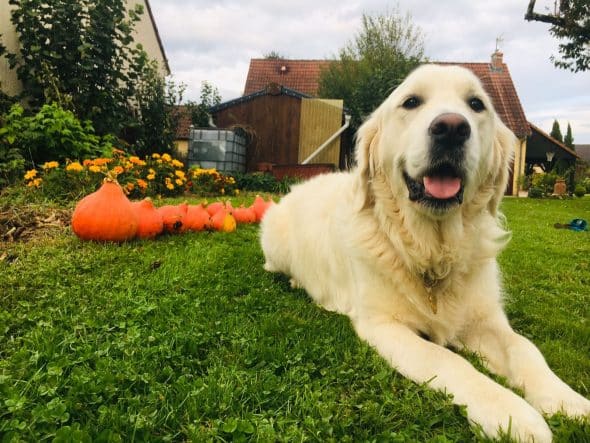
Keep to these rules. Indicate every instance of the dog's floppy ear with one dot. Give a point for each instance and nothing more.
(504, 143)
(366, 141)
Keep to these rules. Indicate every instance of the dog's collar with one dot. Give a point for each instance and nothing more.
(429, 282)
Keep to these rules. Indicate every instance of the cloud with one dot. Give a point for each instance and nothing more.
(215, 41)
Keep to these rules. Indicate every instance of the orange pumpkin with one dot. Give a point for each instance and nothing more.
(172, 216)
(197, 218)
(260, 206)
(150, 223)
(105, 215)
(223, 221)
(244, 215)
(213, 208)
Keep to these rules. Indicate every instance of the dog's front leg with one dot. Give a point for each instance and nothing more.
(489, 405)
(516, 358)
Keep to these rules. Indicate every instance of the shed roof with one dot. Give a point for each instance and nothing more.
(268, 89)
(303, 75)
(540, 143)
(299, 75)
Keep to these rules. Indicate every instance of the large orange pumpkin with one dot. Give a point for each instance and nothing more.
(150, 223)
(105, 215)
(197, 218)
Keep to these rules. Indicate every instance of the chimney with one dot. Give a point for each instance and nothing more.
(497, 61)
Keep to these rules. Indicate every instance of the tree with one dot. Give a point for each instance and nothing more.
(79, 54)
(570, 22)
(200, 111)
(274, 55)
(556, 131)
(568, 140)
(373, 64)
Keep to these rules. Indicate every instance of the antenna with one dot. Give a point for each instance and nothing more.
(499, 39)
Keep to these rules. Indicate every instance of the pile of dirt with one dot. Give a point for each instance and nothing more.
(25, 223)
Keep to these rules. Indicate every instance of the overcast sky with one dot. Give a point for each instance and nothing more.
(214, 40)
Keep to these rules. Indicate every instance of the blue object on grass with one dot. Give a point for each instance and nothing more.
(578, 224)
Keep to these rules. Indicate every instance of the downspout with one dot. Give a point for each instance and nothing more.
(330, 140)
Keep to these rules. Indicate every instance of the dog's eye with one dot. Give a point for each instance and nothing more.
(412, 103)
(476, 104)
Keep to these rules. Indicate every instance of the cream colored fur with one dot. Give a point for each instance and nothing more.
(360, 247)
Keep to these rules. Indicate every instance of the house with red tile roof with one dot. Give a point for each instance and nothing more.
(303, 76)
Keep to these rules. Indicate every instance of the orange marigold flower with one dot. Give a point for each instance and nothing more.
(87, 162)
(50, 165)
(30, 174)
(170, 186)
(142, 184)
(177, 164)
(118, 170)
(179, 182)
(75, 166)
(156, 155)
(166, 157)
(94, 168)
(130, 186)
(102, 161)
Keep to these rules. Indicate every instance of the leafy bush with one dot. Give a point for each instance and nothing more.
(579, 190)
(156, 175)
(257, 182)
(212, 182)
(545, 182)
(12, 163)
(262, 182)
(53, 134)
(536, 192)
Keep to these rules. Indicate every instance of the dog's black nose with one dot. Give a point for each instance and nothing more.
(449, 129)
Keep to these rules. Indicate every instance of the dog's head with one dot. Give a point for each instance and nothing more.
(438, 143)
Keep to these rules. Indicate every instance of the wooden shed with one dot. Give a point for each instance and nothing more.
(284, 126)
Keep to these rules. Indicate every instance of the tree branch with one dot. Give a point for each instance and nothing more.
(531, 15)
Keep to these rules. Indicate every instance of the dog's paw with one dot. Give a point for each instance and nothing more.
(562, 399)
(512, 416)
(268, 266)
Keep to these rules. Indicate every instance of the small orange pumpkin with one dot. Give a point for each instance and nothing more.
(172, 216)
(260, 207)
(197, 218)
(215, 207)
(105, 215)
(223, 221)
(150, 223)
(244, 215)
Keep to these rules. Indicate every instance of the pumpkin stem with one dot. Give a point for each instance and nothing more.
(110, 177)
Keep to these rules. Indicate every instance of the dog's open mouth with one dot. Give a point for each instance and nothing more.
(440, 187)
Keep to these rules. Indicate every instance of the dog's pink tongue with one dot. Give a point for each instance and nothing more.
(442, 187)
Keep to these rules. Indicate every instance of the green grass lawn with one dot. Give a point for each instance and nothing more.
(186, 338)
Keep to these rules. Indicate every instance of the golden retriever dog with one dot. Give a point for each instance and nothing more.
(405, 245)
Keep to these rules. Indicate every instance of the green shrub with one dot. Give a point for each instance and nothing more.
(545, 182)
(263, 182)
(53, 134)
(579, 190)
(536, 192)
(256, 182)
